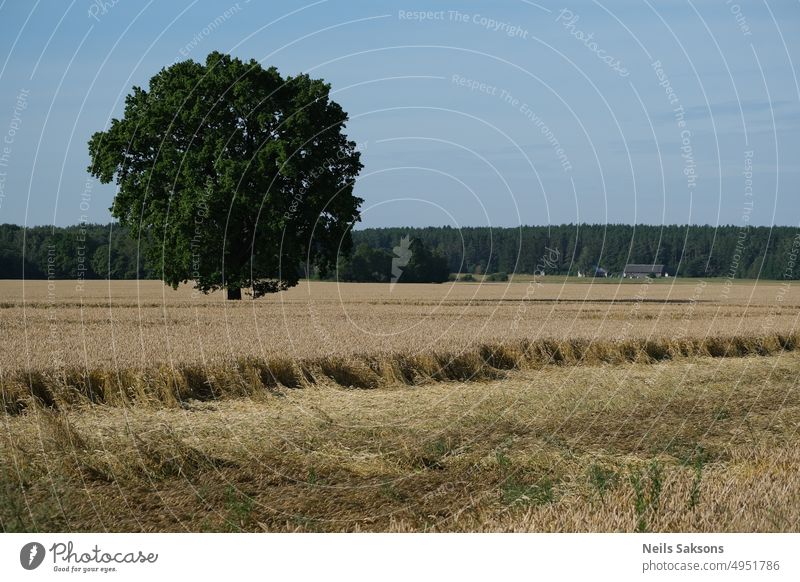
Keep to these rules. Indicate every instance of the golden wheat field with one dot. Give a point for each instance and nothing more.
(129, 324)
(533, 406)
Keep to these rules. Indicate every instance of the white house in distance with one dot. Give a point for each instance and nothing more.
(639, 271)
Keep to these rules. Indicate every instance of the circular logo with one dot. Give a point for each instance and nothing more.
(31, 555)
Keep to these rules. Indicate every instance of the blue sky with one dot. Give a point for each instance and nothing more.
(482, 113)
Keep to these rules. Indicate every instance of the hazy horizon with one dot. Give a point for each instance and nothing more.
(361, 226)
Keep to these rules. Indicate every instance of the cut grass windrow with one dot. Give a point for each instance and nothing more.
(170, 386)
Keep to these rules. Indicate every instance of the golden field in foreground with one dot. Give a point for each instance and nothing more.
(130, 324)
(127, 341)
(687, 445)
(534, 406)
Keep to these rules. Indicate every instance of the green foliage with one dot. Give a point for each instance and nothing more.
(240, 509)
(86, 251)
(687, 251)
(697, 251)
(647, 493)
(239, 174)
(698, 458)
(694, 493)
(424, 266)
(378, 265)
(435, 453)
(516, 492)
(603, 479)
(366, 265)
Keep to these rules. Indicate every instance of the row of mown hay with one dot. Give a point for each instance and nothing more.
(250, 377)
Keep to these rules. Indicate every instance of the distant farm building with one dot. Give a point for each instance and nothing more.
(640, 271)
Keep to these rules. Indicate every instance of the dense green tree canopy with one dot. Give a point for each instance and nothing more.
(686, 251)
(377, 265)
(239, 175)
(425, 266)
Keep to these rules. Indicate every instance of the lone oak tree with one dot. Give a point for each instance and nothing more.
(241, 175)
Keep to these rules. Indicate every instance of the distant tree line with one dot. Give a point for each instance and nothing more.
(96, 251)
(688, 251)
(90, 251)
(409, 262)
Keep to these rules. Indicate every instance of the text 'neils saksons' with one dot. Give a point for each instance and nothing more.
(664, 548)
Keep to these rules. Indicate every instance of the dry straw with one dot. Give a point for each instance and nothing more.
(172, 386)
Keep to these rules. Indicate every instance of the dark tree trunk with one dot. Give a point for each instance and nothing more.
(234, 293)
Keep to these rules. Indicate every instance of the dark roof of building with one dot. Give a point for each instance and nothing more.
(644, 268)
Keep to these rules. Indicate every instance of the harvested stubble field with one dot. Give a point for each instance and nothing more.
(140, 340)
(552, 407)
